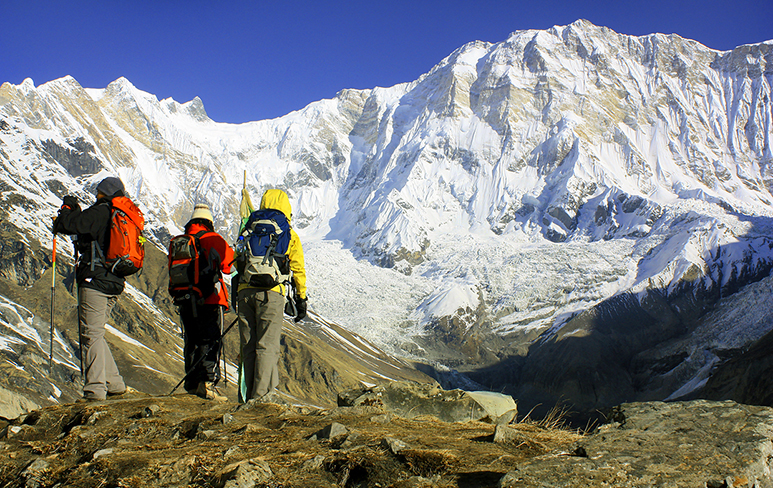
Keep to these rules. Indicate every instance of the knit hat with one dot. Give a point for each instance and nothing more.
(201, 211)
(110, 186)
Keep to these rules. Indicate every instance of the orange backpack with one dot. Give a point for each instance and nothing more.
(126, 247)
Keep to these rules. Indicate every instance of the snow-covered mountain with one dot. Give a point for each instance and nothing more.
(518, 195)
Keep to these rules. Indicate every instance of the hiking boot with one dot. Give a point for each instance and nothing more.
(89, 399)
(207, 390)
(128, 390)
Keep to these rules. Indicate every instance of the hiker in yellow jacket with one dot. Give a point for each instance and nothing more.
(260, 309)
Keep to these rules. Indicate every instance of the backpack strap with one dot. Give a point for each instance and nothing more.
(96, 248)
(197, 239)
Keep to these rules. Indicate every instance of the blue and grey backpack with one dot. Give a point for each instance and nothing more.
(263, 261)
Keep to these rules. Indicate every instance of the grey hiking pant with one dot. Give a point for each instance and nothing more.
(260, 328)
(101, 374)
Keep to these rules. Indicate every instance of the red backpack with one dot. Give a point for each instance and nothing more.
(126, 246)
(190, 274)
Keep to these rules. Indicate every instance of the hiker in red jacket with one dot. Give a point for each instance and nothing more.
(202, 318)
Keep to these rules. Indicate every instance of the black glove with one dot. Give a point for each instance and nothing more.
(300, 307)
(70, 202)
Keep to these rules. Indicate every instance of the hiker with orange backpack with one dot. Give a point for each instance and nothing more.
(110, 246)
(198, 259)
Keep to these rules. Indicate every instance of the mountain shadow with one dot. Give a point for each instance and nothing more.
(746, 378)
(663, 344)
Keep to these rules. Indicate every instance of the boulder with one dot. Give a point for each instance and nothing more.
(411, 400)
(331, 431)
(35, 475)
(507, 435)
(245, 474)
(495, 404)
(395, 446)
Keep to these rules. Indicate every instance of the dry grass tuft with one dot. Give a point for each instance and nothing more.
(557, 419)
(427, 462)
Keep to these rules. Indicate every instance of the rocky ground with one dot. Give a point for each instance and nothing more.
(182, 440)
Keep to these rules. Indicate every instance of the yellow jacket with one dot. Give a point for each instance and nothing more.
(278, 200)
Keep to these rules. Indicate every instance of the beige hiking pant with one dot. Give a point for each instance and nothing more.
(260, 328)
(101, 374)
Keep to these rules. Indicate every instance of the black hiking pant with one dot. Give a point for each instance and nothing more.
(202, 343)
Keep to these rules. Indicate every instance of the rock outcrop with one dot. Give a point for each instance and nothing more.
(182, 440)
(412, 400)
(699, 443)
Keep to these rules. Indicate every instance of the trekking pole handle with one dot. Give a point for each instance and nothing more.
(53, 263)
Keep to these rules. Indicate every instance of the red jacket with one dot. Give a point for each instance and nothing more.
(220, 255)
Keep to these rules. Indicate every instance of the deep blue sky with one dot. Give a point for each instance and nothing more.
(253, 60)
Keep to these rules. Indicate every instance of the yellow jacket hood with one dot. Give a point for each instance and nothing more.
(277, 200)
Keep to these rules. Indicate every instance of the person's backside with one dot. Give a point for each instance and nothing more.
(261, 311)
(202, 313)
(98, 288)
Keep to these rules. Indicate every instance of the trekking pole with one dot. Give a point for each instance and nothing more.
(222, 348)
(80, 328)
(225, 364)
(77, 302)
(193, 366)
(53, 290)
